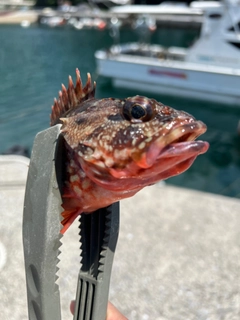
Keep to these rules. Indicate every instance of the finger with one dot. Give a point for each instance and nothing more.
(72, 306)
(112, 312)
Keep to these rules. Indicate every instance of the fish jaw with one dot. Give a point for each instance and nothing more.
(179, 141)
(166, 156)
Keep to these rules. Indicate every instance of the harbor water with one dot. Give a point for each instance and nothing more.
(35, 61)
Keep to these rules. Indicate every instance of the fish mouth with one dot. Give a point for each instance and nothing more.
(184, 141)
(177, 145)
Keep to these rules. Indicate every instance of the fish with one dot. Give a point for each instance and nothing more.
(116, 147)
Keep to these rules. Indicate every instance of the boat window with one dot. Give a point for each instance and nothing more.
(235, 44)
(233, 29)
(215, 15)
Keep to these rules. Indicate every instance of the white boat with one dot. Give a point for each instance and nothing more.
(209, 70)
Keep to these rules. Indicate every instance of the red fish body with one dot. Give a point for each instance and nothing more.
(117, 147)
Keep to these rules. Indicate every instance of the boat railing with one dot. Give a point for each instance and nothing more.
(149, 51)
(176, 53)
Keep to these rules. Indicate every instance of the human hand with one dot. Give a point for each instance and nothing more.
(112, 312)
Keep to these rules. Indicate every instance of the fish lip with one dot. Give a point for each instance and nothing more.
(177, 141)
(182, 139)
(180, 149)
(189, 131)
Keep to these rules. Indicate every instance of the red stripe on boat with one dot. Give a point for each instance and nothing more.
(167, 73)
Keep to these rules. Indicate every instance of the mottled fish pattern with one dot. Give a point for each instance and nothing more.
(116, 147)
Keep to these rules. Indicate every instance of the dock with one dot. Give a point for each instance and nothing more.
(35, 16)
(177, 256)
(167, 19)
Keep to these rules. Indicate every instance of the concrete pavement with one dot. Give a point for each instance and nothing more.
(178, 253)
(18, 17)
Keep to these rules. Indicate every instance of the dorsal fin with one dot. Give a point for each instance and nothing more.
(71, 97)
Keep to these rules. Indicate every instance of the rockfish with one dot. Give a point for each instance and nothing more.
(116, 147)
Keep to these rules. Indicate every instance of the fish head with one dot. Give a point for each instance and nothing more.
(131, 143)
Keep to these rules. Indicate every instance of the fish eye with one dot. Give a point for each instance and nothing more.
(138, 111)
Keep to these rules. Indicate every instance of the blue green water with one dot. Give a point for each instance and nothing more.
(36, 60)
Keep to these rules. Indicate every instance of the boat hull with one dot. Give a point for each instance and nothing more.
(183, 79)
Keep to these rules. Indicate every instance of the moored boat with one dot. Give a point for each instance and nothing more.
(208, 70)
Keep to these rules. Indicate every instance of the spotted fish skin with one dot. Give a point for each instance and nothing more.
(115, 147)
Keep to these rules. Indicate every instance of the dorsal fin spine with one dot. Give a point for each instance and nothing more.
(71, 93)
(70, 98)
